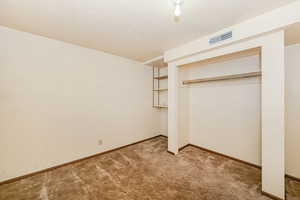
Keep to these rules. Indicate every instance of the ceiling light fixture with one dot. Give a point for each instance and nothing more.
(177, 4)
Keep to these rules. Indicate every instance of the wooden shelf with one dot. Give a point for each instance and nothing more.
(160, 90)
(161, 77)
(156, 88)
(221, 78)
(160, 106)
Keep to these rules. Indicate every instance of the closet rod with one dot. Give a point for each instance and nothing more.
(220, 78)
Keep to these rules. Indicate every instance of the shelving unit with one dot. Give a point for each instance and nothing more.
(156, 90)
(161, 77)
(160, 106)
(221, 78)
(160, 90)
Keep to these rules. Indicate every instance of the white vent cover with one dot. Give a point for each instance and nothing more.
(220, 38)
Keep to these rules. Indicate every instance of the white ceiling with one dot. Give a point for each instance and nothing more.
(136, 29)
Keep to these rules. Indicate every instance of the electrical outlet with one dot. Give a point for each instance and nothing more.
(100, 142)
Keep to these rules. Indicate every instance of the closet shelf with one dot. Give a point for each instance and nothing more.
(160, 90)
(160, 106)
(161, 77)
(221, 78)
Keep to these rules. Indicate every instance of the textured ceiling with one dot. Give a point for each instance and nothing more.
(136, 29)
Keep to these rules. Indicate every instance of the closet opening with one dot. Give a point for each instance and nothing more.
(220, 105)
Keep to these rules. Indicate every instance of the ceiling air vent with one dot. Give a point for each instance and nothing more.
(220, 38)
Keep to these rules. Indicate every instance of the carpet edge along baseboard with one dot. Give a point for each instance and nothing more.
(72, 162)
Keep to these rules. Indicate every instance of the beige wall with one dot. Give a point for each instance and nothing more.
(163, 101)
(163, 122)
(57, 101)
(292, 139)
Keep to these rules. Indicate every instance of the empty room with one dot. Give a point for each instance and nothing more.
(150, 100)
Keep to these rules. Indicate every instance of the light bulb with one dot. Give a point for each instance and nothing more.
(177, 11)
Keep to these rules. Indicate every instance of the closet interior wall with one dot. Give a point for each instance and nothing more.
(163, 98)
(223, 116)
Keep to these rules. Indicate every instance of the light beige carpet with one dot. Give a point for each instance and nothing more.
(146, 171)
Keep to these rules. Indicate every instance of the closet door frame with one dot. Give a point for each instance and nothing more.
(272, 103)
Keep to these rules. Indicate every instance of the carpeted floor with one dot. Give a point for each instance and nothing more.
(146, 171)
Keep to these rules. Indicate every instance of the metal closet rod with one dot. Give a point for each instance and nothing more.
(221, 78)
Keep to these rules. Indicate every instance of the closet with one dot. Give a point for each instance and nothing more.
(220, 105)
